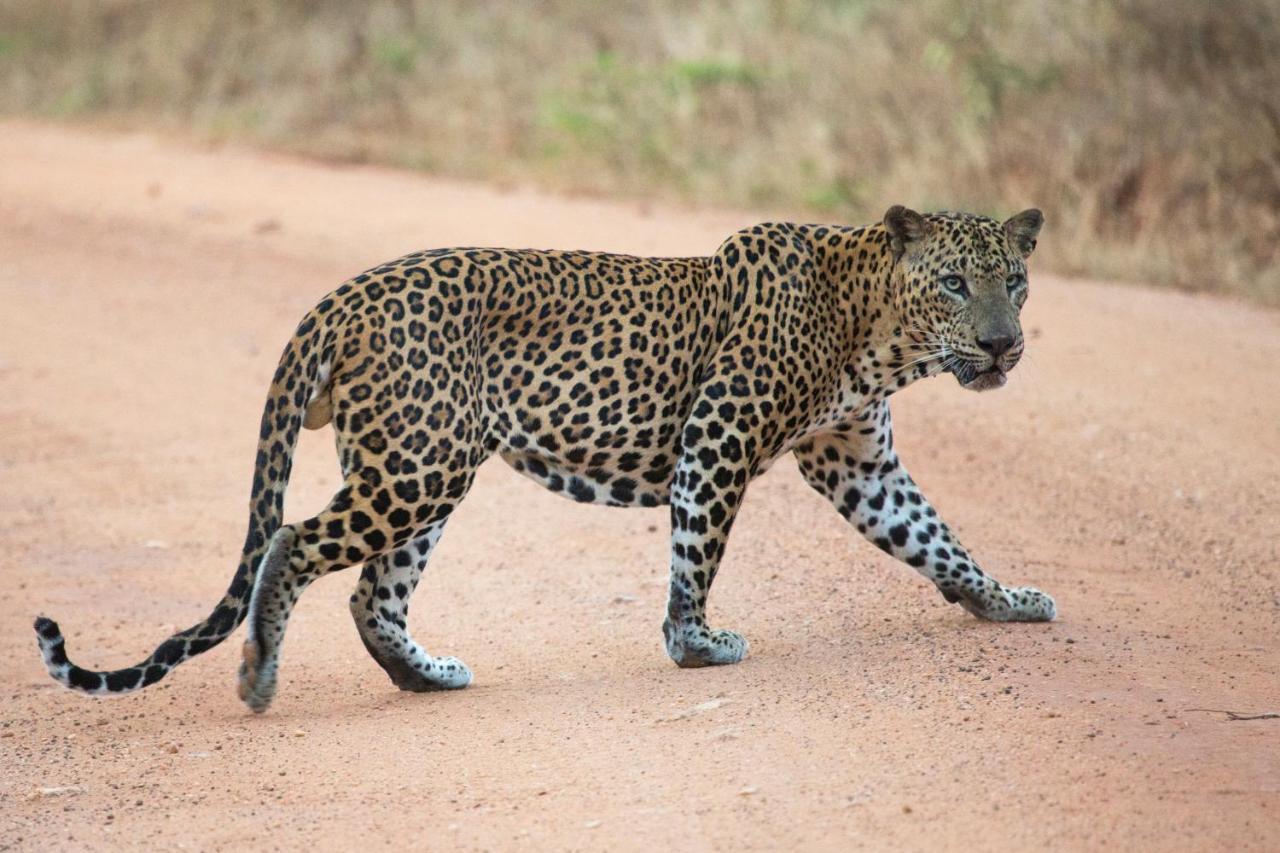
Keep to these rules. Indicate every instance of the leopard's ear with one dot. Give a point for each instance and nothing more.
(1021, 231)
(907, 230)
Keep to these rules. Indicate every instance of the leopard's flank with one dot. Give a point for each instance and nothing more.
(613, 380)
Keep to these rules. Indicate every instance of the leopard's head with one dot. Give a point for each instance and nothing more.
(959, 282)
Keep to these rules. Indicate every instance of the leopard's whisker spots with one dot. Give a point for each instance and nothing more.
(933, 356)
(926, 341)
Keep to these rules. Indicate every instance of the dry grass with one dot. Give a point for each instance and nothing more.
(1148, 130)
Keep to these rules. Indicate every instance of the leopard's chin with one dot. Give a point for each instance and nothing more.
(986, 381)
(973, 379)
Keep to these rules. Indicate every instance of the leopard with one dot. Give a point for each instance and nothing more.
(617, 380)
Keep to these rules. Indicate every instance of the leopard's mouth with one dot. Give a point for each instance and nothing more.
(971, 378)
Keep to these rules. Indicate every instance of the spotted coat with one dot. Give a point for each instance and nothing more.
(613, 380)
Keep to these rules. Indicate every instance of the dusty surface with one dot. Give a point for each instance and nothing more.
(1130, 468)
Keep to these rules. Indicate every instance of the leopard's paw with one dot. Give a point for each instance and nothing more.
(1008, 604)
(692, 647)
(447, 673)
(257, 677)
(1031, 605)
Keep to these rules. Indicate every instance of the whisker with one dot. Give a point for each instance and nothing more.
(924, 358)
(939, 354)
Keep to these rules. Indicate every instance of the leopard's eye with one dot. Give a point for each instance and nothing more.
(954, 284)
(1013, 282)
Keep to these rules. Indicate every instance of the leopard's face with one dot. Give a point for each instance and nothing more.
(960, 282)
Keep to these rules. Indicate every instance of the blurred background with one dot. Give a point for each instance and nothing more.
(1148, 130)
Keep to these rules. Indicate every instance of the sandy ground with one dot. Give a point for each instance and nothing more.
(1130, 469)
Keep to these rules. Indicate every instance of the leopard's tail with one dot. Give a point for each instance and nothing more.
(300, 379)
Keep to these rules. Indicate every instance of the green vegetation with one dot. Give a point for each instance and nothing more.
(1148, 130)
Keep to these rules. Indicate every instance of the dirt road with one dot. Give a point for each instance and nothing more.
(1130, 468)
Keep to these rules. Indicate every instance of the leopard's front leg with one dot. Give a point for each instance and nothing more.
(857, 469)
(706, 491)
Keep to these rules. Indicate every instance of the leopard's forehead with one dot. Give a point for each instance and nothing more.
(966, 242)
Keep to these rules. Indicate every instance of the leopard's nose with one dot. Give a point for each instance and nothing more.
(996, 345)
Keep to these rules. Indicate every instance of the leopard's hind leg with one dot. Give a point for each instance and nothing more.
(360, 524)
(347, 532)
(380, 607)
